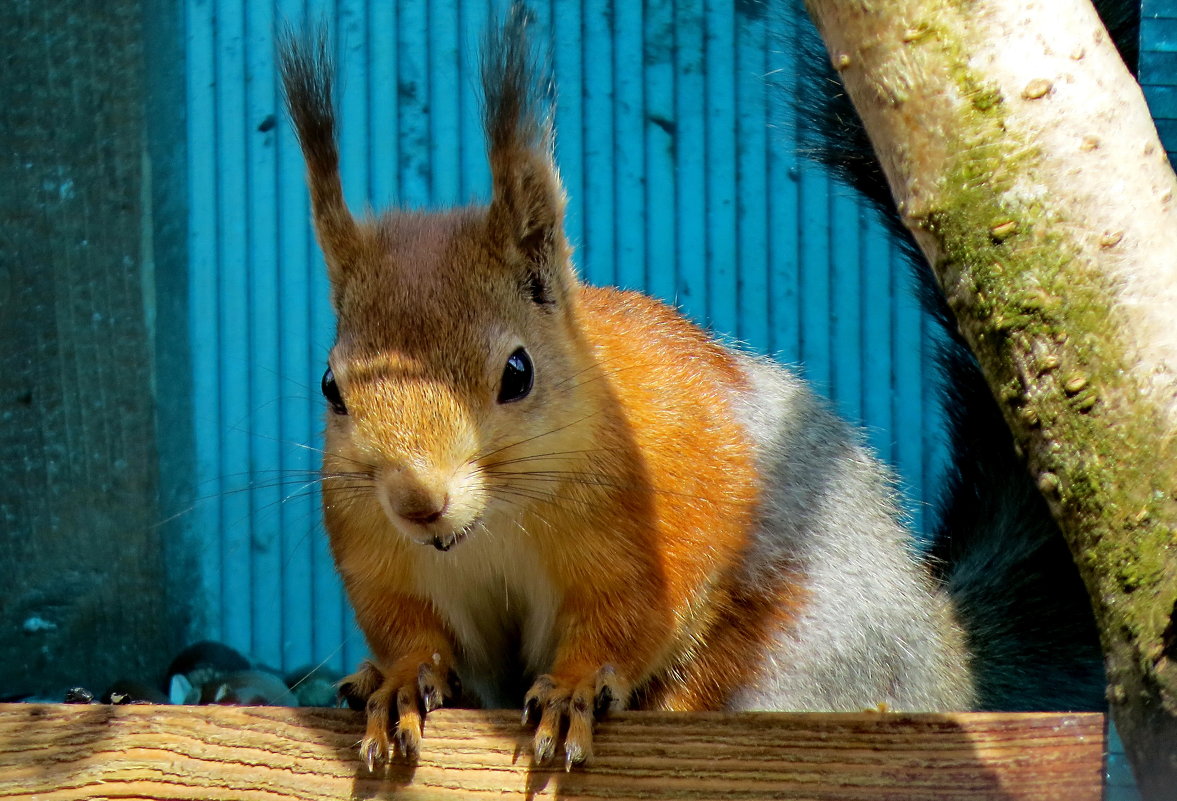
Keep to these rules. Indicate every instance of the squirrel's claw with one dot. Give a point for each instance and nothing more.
(432, 687)
(544, 748)
(414, 697)
(557, 702)
(371, 751)
(553, 701)
(537, 698)
(572, 756)
(410, 722)
(578, 743)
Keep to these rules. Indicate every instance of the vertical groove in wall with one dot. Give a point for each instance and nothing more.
(753, 141)
(659, 221)
(683, 180)
(690, 159)
(721, 257)
(294, 375)
(627, 140)
(908, 423)
(203, 299)
(261, 328)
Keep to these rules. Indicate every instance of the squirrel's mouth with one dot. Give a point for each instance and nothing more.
(450, 540)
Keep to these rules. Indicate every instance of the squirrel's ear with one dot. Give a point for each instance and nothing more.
(306, 79)
(527, 209)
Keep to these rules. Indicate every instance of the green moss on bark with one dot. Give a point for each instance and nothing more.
(1043, 323)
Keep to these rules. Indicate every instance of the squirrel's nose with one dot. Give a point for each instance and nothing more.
(414, 495)
(419, 499)
(423, 510)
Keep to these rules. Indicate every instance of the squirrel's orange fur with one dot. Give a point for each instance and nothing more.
(648, 522)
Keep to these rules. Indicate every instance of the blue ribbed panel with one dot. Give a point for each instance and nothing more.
(1158, 67)
(683, 180)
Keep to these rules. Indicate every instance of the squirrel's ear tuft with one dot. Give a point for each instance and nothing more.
(527, 210)
(306, 80)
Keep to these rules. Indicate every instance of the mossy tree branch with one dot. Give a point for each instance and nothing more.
(1022, 157)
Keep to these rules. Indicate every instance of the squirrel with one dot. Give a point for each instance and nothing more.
(573, 498)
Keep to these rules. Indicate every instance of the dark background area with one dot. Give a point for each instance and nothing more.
(85, 589)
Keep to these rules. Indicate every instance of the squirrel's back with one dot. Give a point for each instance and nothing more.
(853, 617)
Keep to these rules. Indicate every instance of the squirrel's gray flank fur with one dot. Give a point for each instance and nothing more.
(874, 628)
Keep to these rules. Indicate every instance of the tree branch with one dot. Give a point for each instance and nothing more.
(1022, 157)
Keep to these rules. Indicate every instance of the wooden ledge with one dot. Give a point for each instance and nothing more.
(271, 754)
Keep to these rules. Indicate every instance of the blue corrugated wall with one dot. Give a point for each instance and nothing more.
(680, 162)
(1158, 66)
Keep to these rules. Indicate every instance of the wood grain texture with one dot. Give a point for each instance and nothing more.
(270, 753)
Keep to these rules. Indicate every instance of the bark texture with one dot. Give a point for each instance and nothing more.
(1021, 155)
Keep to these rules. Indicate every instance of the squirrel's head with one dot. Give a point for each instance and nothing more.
(456, 329)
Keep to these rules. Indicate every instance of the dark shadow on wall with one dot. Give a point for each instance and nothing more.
(92, 238)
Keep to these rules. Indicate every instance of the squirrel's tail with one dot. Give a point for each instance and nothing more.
(1026, 613)
(1027, 617)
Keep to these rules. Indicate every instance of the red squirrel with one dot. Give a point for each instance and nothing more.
(571, 497)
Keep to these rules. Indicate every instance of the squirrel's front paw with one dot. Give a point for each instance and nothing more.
(554, 699)
(417, 687)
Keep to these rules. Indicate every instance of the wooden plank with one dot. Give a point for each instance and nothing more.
(270, 753)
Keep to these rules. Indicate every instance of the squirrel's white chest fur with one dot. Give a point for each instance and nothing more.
(497, 600)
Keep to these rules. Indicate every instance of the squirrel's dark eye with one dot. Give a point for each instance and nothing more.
(331, 393)
(517, 377)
